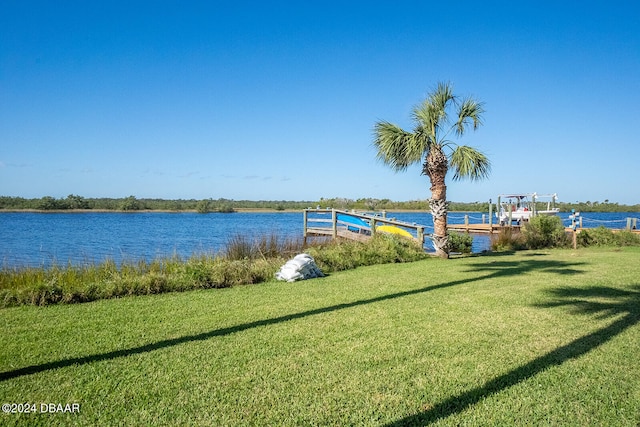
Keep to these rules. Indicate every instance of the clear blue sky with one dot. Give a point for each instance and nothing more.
(271, 100)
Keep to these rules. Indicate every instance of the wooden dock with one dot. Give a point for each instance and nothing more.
(478, 228)
(332, 223)
(335, 223)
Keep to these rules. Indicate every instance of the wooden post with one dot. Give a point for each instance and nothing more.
(533, 202)
(491, 214)
(634, 223)
(304, 226)
(373, 226)
(466, 221)
(334, 224)
(628, 223)
(575, 239)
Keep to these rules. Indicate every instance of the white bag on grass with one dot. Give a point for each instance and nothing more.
(301, 267)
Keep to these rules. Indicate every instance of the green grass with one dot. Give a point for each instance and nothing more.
(533, 338)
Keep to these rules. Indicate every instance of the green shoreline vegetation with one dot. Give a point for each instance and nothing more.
(241, 262)
(132, 204)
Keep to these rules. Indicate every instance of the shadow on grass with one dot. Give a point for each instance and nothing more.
(607, 302)
(499, 268)
(494, 269)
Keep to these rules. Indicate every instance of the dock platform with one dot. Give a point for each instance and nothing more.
(478, 228)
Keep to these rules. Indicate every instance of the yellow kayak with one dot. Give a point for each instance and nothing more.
(394, 230)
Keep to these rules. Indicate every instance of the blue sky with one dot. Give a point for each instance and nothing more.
(272, 100)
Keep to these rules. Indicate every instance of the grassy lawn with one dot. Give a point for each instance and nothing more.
(535, 337)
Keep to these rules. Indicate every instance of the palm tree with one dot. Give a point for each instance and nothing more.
(429, 143)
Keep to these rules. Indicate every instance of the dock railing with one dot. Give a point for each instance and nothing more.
(353, 225)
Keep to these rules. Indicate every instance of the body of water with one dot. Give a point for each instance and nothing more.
(44, 239)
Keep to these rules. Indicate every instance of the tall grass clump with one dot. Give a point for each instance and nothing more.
(544, 231)
(381, 249)
(507, 240)
(240, 247)
(216, 272)
(602, 236)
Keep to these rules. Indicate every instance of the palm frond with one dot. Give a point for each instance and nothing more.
(396, 147)
(442, 96)
(432, 114)
(429, 117)
(470, 113)
(467, 162)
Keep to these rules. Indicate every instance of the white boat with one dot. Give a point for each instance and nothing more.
(522, 207)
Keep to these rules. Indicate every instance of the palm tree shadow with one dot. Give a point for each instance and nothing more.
(602, 301)
(498, 268)
(490, 270)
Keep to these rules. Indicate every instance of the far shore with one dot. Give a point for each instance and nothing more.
(236, 210)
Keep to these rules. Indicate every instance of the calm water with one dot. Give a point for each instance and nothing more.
(41, 239)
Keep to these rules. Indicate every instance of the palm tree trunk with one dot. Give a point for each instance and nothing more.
(440, 238)
(436, 166)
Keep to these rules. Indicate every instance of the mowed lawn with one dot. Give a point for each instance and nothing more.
(531, 338)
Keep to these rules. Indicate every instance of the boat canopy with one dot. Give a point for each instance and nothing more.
(524, 195)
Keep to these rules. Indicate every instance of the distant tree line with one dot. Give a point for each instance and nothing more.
(132, 203)
(596, 206)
